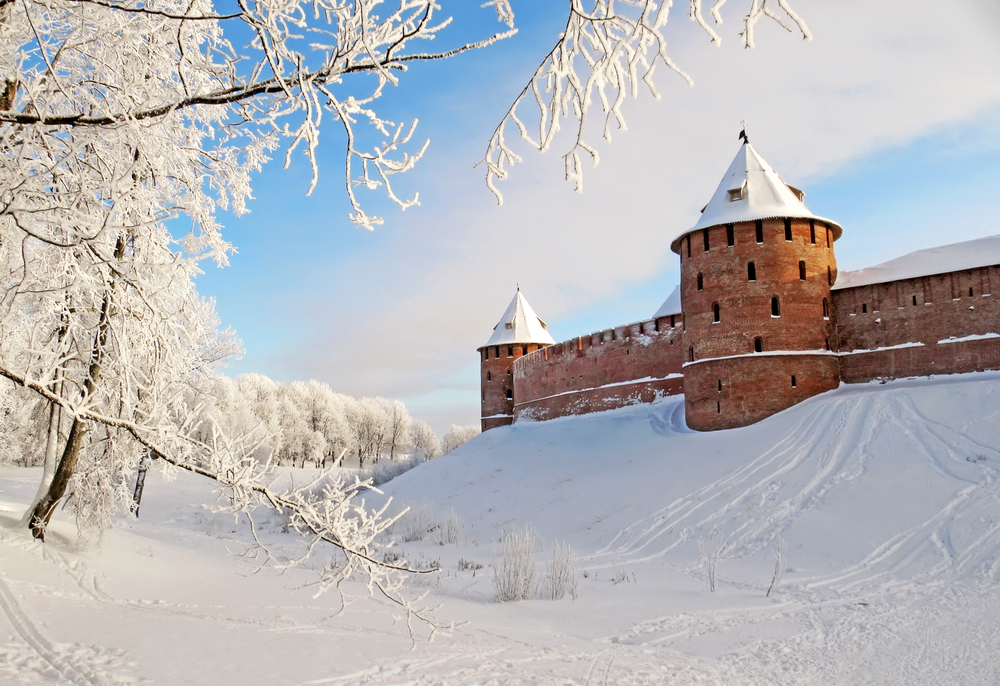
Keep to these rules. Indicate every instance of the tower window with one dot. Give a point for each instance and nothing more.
(718, 408)
(489, 377)
(758, 345)
(496, 351)
(826, 312)
(793, 381)
(827, 342)
(829, 276)
(864, 308)
(510, 394)
(775, 307)
(689, 246)
(914, 300)
(720, 385)
(751, 272)
(730, 235)
(759, 228)
(715, 312)
(691, 354)
(970, 292)
(812, 232)
(510, 351)
(788, 230)
(828, 236)
(701, 281)
(706, 240)
(802, 270)
(673, 320)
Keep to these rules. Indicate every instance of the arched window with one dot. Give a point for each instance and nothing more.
(759, 228)
(758, 345)
(802, 270)
(788, 230)
(812, 231)
(730, 235)
(826, 309)
(715, 312)
(829, 276)
(775, 307)
(751, 272)
(706, 240)
(701, 281)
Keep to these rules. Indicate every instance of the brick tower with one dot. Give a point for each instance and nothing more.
(756, 272)
(519, 332)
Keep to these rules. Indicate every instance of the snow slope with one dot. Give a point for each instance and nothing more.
(886, 495)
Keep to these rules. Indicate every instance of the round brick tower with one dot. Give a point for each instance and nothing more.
(518, 332)
(756, 272)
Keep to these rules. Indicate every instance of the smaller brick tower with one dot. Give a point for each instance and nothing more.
(518, 332)
(756, 277)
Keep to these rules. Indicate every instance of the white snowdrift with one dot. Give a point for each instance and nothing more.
(887, 497)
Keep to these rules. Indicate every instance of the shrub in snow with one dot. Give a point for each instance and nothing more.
(514, 564)
(414, 524)
(560, 577)
(620, 573)
(387, 470)
(449, 526)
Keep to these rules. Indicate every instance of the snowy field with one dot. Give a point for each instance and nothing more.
(887, 497)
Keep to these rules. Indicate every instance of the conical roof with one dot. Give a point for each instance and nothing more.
(672, 305)
(752, 190)
(520, 324)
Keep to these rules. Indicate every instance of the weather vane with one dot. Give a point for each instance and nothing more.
(743, 132)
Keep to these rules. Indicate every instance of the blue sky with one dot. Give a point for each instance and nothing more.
(888, 120)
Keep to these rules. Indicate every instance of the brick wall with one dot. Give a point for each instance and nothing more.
(728, 304)
(922, 310)
(496, 382)
(737, 391)
(601, 371)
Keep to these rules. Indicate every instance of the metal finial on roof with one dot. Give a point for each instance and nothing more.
(743, 132)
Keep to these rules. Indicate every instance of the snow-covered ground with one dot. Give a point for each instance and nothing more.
(886, 495)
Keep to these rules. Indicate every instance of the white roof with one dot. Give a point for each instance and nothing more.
(520, 324)
(672, 305)
(757, 193)
(981, 252)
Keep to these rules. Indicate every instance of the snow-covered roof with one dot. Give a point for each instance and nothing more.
(520, 324)
(981, 252)
(752, 190)
(672, 305)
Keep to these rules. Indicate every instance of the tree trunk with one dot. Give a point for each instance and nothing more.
(140, 481)
(51, 446)
(42, 512)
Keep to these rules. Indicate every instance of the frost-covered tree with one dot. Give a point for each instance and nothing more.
(457, 436)
(603, 54)
(425, 441)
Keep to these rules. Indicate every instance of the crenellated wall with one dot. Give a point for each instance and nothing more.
(637, 363)
(941, 324)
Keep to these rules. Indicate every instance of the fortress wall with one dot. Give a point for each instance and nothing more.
(600, 371)
(892, 330)
(496, 382)
(736, 391)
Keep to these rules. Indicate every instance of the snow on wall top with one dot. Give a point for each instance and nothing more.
(751, 190)
(520, 324)
(672, 305)
(980, 252)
